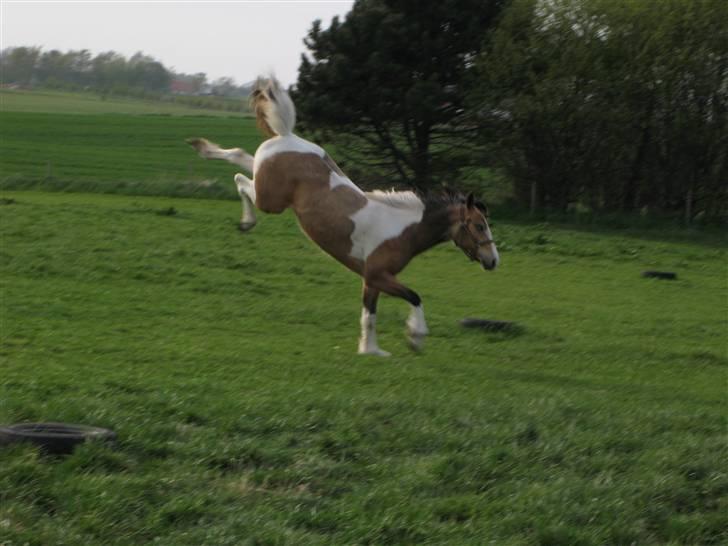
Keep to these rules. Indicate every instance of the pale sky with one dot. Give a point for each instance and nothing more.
(236, 38)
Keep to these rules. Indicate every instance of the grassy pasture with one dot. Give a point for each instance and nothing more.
(226, 364)
(118, 153)
(77, 142)
(62, 102)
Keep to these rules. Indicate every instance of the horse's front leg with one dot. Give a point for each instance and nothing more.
(368, 340)
(416, 325)
(246, 190)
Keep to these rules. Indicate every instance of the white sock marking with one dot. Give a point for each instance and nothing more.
(246, 190)
(368, 341)
(416, 324)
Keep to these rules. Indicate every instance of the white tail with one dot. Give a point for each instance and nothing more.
(273, 107)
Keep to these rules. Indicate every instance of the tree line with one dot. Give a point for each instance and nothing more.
(587, 105)
(593, 105)
(107, 73)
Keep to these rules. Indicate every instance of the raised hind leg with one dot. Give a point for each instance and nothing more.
(368, 340)
(210, 150)
(236, 156)
(246, 189)
(416, 325)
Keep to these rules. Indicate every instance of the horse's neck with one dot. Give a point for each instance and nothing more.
(435, 228)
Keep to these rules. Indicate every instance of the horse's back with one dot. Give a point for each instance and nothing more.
(280, 162)
(284, 144)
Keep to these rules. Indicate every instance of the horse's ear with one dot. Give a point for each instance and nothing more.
(482, 207)
(470, 200)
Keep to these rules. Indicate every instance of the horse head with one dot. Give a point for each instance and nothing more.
(472, 233)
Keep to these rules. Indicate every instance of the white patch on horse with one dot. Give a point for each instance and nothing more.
(338, 180)
(280, 144)
(382, 219)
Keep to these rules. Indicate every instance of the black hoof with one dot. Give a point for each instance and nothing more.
(246, 226)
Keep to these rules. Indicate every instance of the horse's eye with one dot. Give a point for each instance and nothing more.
(480, 228)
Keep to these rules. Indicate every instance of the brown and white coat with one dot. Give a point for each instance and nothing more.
(375, 234)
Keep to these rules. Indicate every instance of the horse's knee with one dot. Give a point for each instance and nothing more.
(388, 283)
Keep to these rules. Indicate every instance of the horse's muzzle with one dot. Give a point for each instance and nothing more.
(489, 263)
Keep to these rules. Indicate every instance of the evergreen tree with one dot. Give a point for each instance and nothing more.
(387, 85)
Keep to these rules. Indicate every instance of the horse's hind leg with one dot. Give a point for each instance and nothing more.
(246, 189)
(210, 150)
(416, 325)
(368, 340)
(237, 156)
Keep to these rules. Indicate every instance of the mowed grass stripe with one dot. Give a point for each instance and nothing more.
(118, 153)
(226, 364)
(60, 102)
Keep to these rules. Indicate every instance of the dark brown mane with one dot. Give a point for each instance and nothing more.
(443, 198)
(437, 200)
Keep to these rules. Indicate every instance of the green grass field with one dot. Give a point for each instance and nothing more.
(117, 153)
(138, 151)
(226, 364)
(61, 102)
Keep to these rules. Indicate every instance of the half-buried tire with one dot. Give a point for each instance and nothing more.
(55, 438)
(664, 275)
(490, 325)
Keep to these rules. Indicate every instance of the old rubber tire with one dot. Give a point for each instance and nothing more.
(489, 325)
(56, 438)
(664, 275)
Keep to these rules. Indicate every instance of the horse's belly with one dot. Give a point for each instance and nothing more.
(331, 234)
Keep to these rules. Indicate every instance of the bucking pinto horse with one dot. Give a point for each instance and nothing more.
(375, 234)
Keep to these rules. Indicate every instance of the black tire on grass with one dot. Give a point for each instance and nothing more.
(489, 325)
(664, 275)
(54, 438)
